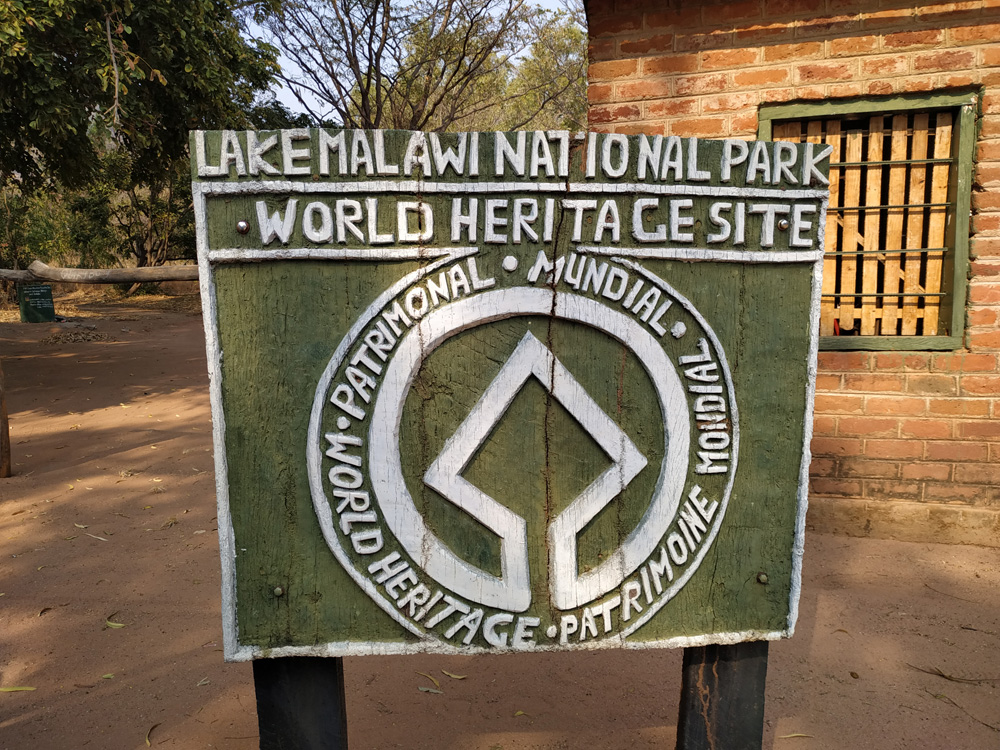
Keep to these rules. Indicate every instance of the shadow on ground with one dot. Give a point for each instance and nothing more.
(110, 520)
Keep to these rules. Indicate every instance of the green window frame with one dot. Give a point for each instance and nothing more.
(896, 259)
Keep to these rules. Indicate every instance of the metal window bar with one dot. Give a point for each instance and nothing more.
(889, 162)
(886, 225)
(891, 206)
(899, 251)
(881, 295)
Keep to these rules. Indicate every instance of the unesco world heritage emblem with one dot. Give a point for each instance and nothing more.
(384, 493)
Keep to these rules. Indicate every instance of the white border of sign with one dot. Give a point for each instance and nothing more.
(233, 650)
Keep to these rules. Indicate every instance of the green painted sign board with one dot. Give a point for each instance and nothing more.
(508, 391)
(35, 301)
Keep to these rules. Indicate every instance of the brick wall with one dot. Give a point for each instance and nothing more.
(918, 428)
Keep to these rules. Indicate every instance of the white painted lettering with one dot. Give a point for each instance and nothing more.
(451, 606)
(734, 153)
(638, 231)
(232, 153)
(649, 156)
(523, 632)
(677, 549)
(467, 219)
(607, 218)
(415, 597)
(343, 398)
(323, 232)
(388, 567)
(660, 568)
(760, 162)
(416, 155)
(358, 502)
(381, 166)
(361, 154)
(619, 277)
(578, 206)
(327, 145)
(345, 477)
(256, 163)
(478, 284)
(678, 221)
(349, 216)
(812, 157)
(800, 225)
(448, 158)
(693, 173)
(490, 634)
(541, 156)
(290, 154)
(276, 226)
(425, 221)
(613, 142)
(494, 222)
(525, 214)
(470, 623)
(785, 156)
(672, 159)
(768, 211)
(373, 234)
(715, 216)
(631, 592)
(506, 153)
(337, 449)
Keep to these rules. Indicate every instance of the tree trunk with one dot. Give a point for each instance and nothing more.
(4, 430)
(39, 271)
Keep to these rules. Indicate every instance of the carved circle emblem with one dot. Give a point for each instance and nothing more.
(541, 593)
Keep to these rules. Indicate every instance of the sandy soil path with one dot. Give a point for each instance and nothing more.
(109, 597)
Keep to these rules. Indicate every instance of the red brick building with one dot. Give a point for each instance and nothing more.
(907, 435)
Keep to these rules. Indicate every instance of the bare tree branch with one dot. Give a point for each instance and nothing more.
(432, 64)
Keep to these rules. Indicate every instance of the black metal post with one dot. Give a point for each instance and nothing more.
(722, 697)
(301, 703)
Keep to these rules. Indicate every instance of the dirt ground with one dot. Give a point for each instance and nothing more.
(109, 595)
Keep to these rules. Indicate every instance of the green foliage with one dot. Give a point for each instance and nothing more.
(548, 90)
(117, 220)
(33, 225)
(267, 113)
(146, 72)
(96, 100)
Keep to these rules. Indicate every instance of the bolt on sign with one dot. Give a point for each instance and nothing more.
(508, 391)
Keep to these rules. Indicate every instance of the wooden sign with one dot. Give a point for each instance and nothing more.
(508, 391)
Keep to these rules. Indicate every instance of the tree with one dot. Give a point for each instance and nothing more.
(97, 99)
(548, 90)
(143, 73)
(425, 65)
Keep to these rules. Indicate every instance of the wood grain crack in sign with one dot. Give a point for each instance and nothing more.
(423, 583)
(531, 358)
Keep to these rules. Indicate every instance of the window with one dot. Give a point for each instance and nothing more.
(897, 231)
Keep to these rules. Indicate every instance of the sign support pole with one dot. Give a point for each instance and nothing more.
(301, 703)
(5, 467)
(722, 697)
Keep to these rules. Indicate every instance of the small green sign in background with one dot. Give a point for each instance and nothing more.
(36, 304)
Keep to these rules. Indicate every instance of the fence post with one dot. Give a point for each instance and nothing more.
(722, 697)
(5, 467)
(301, 703)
